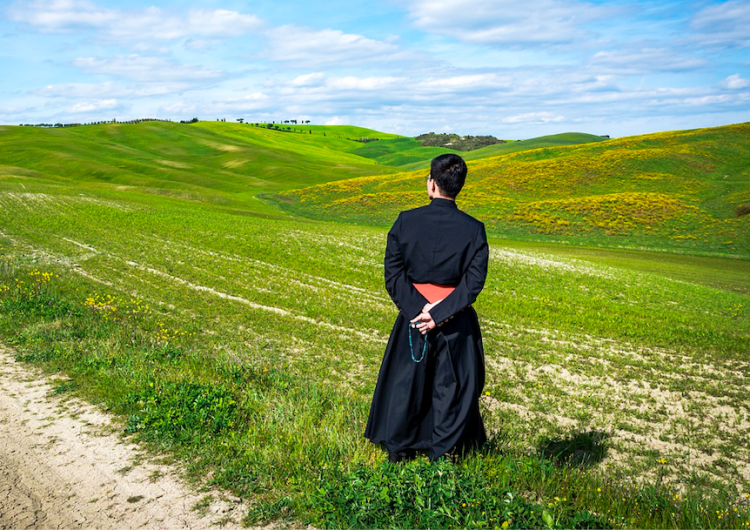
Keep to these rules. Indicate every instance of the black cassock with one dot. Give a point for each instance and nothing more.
(433, 404)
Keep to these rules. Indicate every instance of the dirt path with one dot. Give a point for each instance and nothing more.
(61, 466)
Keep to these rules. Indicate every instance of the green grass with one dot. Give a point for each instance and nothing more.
(721, 273)
(246, 343)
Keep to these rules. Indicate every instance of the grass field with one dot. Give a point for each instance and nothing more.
(678, 191)
(244, 343)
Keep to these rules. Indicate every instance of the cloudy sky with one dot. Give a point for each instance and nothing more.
(502, 67)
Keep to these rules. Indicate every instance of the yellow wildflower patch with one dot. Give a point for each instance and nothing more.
(110, 306)
(616, 213)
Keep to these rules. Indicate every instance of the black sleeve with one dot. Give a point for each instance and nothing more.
(403, 293)
(471, 283)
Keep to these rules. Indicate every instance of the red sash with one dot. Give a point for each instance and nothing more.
(434, 292)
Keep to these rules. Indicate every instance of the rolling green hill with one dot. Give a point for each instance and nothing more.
(555, 140)
(409, 154)
(677, 190)
(400, 152)
(208, 161)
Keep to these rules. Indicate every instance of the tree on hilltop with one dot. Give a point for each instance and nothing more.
(454, 141)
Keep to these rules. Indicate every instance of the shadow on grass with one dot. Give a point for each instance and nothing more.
(581, 449)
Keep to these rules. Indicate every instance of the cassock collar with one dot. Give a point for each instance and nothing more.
(443, 203)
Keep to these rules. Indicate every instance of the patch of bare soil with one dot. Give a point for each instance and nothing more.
(62, 466)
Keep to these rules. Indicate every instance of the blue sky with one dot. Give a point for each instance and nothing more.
(507, 68)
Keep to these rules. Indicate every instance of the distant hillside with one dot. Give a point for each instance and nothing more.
(556, 140)
(206, 161)
(216, 162)
(409, 153)
(677, 190)
(399, 152)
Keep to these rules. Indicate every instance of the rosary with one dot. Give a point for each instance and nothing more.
(413, 325)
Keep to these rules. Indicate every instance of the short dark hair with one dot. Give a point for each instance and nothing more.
(449, 173)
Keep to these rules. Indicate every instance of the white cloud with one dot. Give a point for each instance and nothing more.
(79, 90)
(108, 89)
(253, 102)
(625, 96)
(145, 69)
(147, 24)
(312, 79)
(221, 23)
(506, 21)
(725, 24)
(717, 102)
(201, 44)
(534, 117)
(646, 60)
(363, 83)
(467, 82)
(61, 15)
(10, 111)
(327, 47)
(180, 107)
(337, 120)
(734, 82)
(90, 106)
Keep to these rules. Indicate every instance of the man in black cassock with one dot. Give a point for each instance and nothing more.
(435, 266)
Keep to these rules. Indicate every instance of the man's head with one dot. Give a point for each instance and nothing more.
(449, 173)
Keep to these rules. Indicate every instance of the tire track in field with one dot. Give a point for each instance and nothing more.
(286, 272)
(676, 406)
(632, 445)
(547, 261)
(372, 336)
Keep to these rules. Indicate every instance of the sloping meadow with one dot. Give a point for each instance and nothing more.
(683, 190)
(248, 348)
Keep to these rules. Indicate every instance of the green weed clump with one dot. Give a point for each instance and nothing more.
(475, 494)
(181, 410)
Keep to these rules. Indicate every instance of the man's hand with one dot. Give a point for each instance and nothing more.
(424, 322)
(428, 307)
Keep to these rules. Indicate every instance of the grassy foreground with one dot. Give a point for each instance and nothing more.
(245, 345)
(248, 348)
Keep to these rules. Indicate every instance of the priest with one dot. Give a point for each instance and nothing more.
(427, 393)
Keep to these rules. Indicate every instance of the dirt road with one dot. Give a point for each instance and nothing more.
(61, 466)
